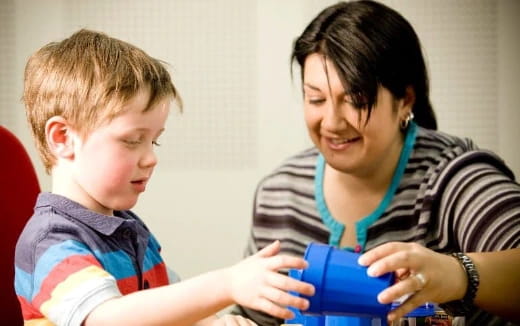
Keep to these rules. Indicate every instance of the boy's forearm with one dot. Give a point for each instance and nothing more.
(208, 321)
(179, 304)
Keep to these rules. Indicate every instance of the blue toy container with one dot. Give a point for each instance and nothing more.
(345, 295)
(347, 321)
(342, 285)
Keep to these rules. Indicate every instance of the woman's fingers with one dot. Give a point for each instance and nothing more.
(402, 257)
(411, 284)
(407, 306)
(379, 252)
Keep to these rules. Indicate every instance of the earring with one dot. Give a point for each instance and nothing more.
(406, 121)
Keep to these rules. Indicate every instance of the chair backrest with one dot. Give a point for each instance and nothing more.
(19, 188)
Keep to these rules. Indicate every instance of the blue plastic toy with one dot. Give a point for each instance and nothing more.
(345, 295)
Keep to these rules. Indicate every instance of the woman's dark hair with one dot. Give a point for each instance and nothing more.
(370, 45)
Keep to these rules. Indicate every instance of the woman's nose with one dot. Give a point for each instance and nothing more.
(333, 118)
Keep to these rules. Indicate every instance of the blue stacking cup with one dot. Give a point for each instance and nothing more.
(299, 318)
(347, 321)
(342, 285)
(425, 310)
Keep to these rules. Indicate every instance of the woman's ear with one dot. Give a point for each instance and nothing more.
(60, 138)
(409, 98)
(405, 104)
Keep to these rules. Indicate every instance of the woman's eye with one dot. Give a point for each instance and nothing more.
(156, 143)
(316, 101)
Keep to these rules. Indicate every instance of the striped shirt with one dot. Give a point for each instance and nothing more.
(69, 260)
(446, 194)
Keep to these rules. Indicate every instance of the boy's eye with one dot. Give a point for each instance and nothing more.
(131, 142)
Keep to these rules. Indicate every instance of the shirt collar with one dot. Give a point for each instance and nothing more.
(104, 224)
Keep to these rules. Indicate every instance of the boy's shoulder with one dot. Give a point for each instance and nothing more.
(60, 222)
(47, 223)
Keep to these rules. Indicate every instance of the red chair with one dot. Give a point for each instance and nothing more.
(18, 194)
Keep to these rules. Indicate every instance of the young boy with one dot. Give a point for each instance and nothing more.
(97, 107)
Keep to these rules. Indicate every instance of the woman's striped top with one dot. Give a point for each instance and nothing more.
(446, 194)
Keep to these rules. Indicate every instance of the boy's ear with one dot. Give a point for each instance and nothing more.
(60, 137)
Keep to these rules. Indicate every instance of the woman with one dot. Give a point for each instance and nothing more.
(432, 208)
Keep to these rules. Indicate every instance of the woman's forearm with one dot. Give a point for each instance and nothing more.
(499, 289)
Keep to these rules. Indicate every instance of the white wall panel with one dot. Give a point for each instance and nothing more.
(230, 62)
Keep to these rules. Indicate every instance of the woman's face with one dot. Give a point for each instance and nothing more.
(341, 132)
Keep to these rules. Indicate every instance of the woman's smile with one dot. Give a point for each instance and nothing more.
(339, 144)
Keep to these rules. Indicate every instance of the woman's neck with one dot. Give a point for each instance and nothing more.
(374, 179)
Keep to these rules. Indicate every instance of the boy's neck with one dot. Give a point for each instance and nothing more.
(64, 184)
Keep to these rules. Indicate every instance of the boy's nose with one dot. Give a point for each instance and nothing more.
(149, 159)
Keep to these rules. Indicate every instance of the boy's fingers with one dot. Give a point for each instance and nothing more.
(282, 298)
(273, 309)
(287, 283)
(269, 250)
(284, 261)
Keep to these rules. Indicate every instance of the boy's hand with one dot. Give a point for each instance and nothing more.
(233, 320)
(226, 320)
(256, 283)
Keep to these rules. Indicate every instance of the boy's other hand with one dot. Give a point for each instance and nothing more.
(233, 320)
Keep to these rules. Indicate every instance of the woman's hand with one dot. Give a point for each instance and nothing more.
(425, 275)
(256, 283)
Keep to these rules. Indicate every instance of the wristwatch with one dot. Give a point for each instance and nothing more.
(465, 305)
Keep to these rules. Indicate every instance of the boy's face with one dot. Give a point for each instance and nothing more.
(113, 165)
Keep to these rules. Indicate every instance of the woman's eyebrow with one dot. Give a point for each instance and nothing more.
(312, 87)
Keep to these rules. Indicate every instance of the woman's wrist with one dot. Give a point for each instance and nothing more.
(461, 279)
(469, 287)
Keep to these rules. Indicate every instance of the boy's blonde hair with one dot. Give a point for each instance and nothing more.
(86, 79)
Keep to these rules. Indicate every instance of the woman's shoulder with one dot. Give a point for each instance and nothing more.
(439, 141)
(304, 160)
(446, 152)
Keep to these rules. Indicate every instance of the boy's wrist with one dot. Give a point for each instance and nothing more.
(225, 278)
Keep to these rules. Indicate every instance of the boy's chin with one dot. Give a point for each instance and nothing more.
(124, 205)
